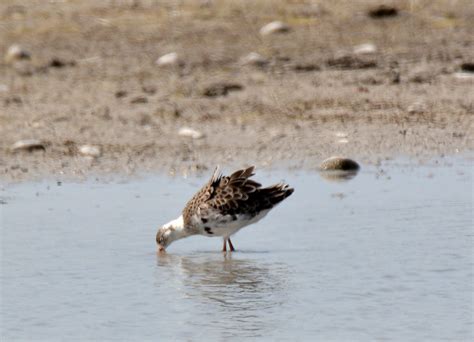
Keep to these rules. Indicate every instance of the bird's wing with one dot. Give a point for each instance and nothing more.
(221, 198)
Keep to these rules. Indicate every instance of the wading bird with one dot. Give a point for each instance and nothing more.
(222, 207)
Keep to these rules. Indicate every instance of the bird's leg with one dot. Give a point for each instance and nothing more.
(224, 248)
(231, 246)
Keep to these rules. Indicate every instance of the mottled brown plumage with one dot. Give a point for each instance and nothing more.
(224, 198)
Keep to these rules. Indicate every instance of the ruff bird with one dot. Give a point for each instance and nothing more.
(222, 207)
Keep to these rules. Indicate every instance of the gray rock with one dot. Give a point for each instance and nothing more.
(340, 164)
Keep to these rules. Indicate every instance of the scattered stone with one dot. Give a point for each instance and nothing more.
(221, 89)
(28, 145)
(169, 60)
(254, 58)
(337, 169)
(306, 67)
(16, 52)
(350, 62)
(467, 67)
(191, 133)
(274, 27)
(339, 163)
(89, 151)
(139, 99)
(365, 49)
(59, 63)
(120, 93)
(383, 11)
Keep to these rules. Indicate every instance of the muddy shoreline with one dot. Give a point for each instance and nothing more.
(92, 79)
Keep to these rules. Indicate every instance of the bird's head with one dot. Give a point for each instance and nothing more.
(170, 232)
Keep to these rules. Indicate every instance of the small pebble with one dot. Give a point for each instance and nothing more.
(170, 59)
(383, 11)
(363, 49)
(274, 27)
(89, 150)
(29, 145)
(59, 63)
(254, 58)
(191, 133)
(16, 52)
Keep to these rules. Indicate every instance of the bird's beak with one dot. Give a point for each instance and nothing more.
(161, 249)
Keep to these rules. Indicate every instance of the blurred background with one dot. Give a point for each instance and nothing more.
(179, 86)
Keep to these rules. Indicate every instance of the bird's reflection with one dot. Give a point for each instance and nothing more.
(243, 290)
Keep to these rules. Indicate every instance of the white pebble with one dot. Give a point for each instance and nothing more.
(89, 150)
(16, 52)
(27, 145)
(253, 58)
(170, 59)
(363, 49)
(341, 134)
(189, 132)
(274, 27)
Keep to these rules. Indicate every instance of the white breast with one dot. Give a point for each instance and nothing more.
(226, 226)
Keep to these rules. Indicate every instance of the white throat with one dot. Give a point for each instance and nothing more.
(177, 224)
(176, 229)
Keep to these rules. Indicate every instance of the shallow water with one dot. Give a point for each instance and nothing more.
(383, 256)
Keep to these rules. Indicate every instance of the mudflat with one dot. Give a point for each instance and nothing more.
(371, 80)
